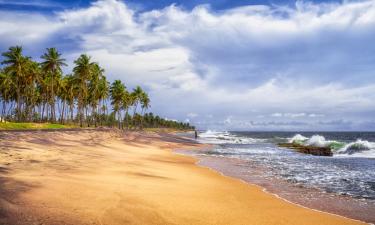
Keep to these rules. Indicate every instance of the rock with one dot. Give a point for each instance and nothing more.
(312, 150)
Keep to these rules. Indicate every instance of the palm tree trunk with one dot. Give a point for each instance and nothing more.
(119, 119)
(86, 117)
(53, 100)
(62, 114)
(66, 113)
(142, 118)
(71, 112)
(10, 108)
(47, 113)
(80, 111)
(3, 110)
(127, 118)
(43, 105)
(135, 109)
(18, 104)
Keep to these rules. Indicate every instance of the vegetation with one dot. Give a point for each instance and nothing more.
(21, 126)
(38, 92)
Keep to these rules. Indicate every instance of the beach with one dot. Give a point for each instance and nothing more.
(112, 177)
(341, 183)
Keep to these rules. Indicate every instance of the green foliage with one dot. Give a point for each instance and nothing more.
(28, 126)
(33, 94)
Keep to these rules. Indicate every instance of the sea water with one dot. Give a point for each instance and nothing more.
(350, 172)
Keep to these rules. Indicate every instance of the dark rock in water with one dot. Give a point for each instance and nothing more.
(312, 150)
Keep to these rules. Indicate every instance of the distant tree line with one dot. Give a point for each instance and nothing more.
(33, 91)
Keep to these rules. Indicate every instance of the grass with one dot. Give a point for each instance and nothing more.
(32, 126)
(37, 126)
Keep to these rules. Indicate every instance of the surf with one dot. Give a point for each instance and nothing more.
(358, 148)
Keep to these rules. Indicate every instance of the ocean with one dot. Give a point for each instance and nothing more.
(318, 181)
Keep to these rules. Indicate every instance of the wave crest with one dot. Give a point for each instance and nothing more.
(298, 139)
(317, 140)
(356, 147)
(225, 137)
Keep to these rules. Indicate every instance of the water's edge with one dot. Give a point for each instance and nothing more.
(322, 202)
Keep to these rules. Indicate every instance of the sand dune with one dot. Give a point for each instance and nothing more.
(108, 177)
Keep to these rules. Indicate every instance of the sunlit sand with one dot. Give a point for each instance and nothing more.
(110, 177)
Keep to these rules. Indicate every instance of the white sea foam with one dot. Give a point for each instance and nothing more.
(358, 148)
(317, 140)
(224, 137)
(298, 138)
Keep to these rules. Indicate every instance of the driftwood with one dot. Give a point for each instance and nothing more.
(312, 150)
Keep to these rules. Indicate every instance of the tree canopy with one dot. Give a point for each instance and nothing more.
(32, 91)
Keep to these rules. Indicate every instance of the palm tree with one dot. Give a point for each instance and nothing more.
(137, 94)
(103, 95)
(52, 66)
(35, 88)
(63, 95)
(94, 89)
(117, 91)
(6, 87)
(71, 93)
(145, 104)
(31, 94)
(82, 72)
(126, 103)
(16, 66)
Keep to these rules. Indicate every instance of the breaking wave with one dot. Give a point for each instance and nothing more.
(224, 137)
(298, 138)
(358, 148)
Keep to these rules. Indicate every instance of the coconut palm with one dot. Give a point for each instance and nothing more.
(103, 94)
(82, 72)
(6, 91)
(71, 89)
(16, 65)
(145, 104)
(52, 66)
(126, 103)
(63, 95)
(35, 88)
(31, 93)
(117, 91)
(137, 95)
(94, 90)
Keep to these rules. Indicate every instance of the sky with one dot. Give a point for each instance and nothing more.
(220, 65)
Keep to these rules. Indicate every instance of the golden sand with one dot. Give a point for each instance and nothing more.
(107, 177)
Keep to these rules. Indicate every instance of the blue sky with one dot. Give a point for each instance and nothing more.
(48, 5)
(233, 65)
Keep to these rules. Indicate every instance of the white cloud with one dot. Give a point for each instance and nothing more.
(294, 115)
(316, 115)
(277, 115)
(192, 115)
(308, 62)
(228, 120)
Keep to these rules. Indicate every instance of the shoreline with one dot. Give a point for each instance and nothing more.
(274, 192)
(265, 190)
(95, 177)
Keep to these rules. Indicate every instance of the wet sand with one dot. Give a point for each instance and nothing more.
(361, 209)
(110, 177)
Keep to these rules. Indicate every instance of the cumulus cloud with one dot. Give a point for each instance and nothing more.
(307, 62)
